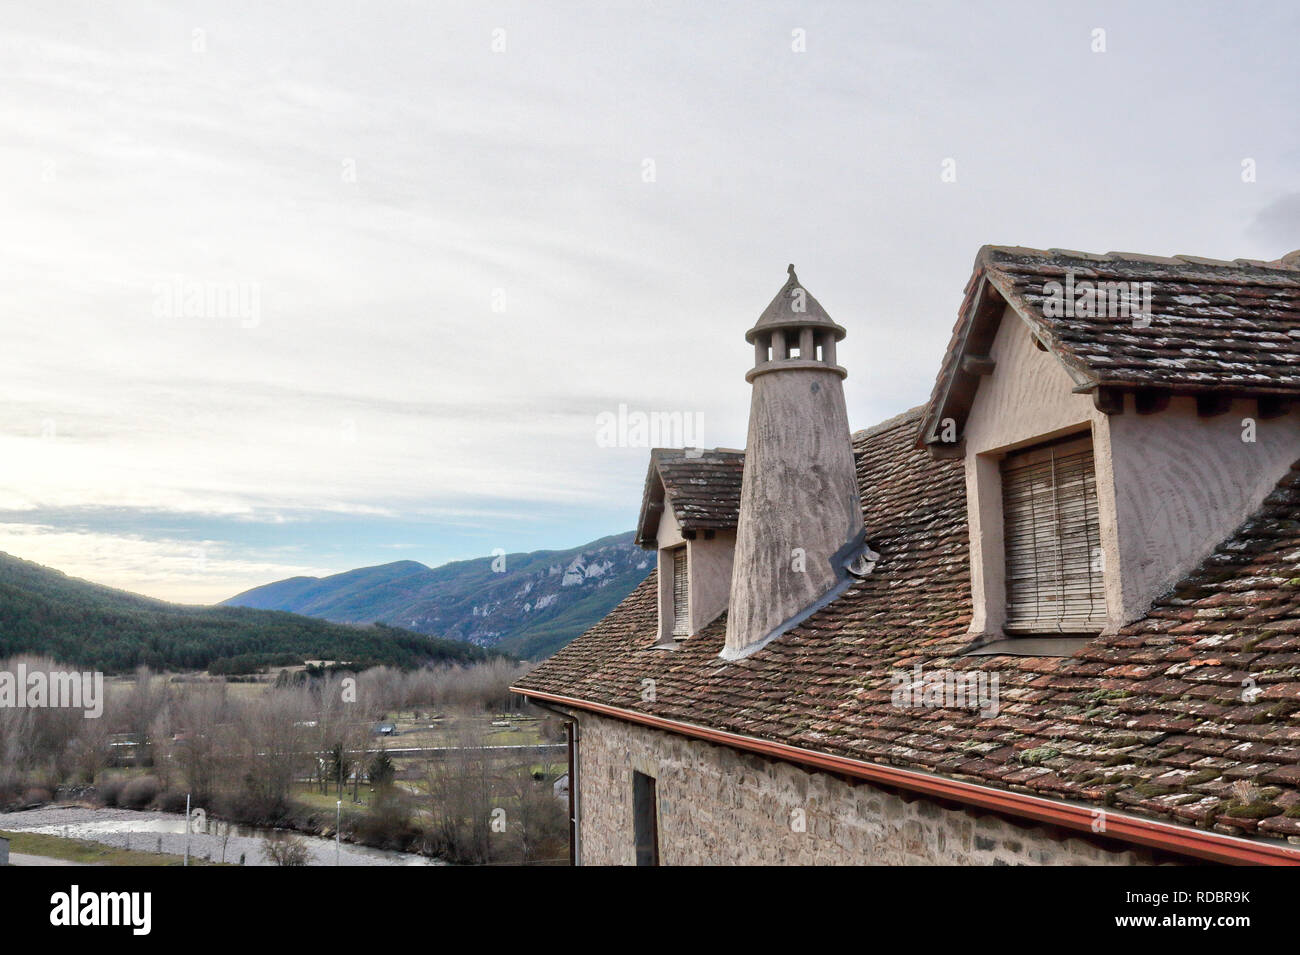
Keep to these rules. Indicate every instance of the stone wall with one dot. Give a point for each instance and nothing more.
(722, 806)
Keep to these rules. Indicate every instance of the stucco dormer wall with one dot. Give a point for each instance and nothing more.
(1025, 401)
(1170, 485)
(710, 562)
(1184, 483)
(708, 571)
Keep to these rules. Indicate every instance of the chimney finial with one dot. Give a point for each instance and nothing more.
(794, 326)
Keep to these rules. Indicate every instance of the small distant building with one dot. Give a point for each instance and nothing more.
(385, 729)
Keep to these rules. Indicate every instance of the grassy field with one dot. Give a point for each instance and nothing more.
(440, 731)
(87, 853)
(420, 731)
(308, 795)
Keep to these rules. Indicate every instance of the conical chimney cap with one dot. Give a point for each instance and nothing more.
(793, 307)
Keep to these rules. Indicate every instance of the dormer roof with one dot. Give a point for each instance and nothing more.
(702, 486)
(1215, 327)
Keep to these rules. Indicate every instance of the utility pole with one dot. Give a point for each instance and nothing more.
(338, 830)
(187, 830)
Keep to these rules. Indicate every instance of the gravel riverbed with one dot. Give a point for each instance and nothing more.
(165, 832)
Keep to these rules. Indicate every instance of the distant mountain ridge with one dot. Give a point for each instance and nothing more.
(530, 605)
(84, 624)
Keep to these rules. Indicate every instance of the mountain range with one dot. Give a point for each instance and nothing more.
(528, 604)
(83, 624)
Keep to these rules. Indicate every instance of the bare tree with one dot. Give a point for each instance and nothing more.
(200, 748)
(537, 819)
(273, 747)
(460, 788)
(283, 849)
(136, 714)
(88, 750)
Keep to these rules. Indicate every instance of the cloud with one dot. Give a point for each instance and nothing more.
(458, 263)
(1279, 222)
(189, 571)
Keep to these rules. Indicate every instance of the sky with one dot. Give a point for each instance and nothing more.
(300, 287)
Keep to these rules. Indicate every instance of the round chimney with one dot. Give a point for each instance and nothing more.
(800, 523)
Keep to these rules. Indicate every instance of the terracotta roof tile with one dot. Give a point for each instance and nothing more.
(701, 486)
(1214, 325)
(703, 491)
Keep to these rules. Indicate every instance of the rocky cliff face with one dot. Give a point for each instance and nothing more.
(528, 604)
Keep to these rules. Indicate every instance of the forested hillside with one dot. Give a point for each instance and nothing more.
(87, 625)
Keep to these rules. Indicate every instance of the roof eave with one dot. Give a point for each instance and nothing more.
(652, 505)
(988, 293)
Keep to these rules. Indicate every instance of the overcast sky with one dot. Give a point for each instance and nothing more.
(295, 288)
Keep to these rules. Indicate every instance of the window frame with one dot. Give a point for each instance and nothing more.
(645, 818)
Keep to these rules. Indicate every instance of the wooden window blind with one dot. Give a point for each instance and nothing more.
(681, 593)
(1054, 573)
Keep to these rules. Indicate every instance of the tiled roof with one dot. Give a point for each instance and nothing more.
(701, 486)
(1152, 720)
(1214, 326)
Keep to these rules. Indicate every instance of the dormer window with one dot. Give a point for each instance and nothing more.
(681, 595)
(688, 516)
(1052, 540)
